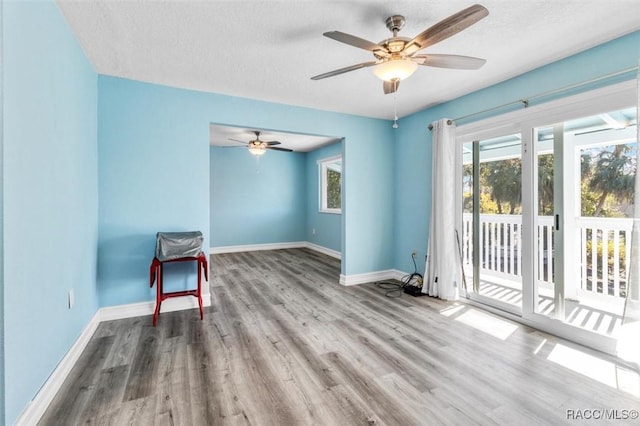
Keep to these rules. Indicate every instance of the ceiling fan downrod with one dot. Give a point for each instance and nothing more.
(395, 24)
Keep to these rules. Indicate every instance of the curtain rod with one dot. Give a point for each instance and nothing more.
(525, 102)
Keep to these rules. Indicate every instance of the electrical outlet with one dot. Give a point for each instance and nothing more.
(72, 299)
(313, 231)
(414, 253)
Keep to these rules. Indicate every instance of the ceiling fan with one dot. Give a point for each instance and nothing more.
(397, 58)
(258, 147)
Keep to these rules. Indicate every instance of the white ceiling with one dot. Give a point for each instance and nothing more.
(220, 135)
(268, 50)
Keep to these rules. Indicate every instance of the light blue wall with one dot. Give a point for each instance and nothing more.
(154, 175)
(368, 228)
(328, 226)
(50, 195)
(413, 142)
(256, 200)
(2, 62)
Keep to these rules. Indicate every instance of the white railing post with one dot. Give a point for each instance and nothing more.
(600, 229)
(500, 253)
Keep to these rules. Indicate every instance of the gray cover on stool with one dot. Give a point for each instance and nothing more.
(173, 245)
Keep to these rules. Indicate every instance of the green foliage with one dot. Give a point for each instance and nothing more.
(503, 179)
(334, 189)
(611, 175)
(607, 183)
(488, 205)
(545, 184)
(467, 188)
(588, 200)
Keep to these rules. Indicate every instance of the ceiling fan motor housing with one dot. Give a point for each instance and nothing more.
(395, 23)
(394, 45)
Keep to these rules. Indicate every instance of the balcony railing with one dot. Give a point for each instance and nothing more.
(604, 251)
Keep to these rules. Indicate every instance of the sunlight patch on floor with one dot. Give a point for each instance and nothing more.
(447, 312)
(603, 371)
(489, 324)
(544, 341)
(629, 342)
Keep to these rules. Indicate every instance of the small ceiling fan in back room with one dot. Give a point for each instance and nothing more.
(396, 58)
(258, 147)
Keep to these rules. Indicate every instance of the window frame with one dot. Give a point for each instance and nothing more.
(323, 167)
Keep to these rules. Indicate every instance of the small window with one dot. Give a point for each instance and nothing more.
(331, 185)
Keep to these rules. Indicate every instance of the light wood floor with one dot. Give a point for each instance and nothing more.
(284, 344)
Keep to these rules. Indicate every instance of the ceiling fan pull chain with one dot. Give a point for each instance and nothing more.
(395, 110)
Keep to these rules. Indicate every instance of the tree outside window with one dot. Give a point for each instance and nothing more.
(331, 185)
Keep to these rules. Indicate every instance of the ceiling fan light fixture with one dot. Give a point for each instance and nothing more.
(396, 69)
(257, 148)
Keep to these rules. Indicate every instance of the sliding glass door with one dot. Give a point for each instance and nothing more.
(546, 212)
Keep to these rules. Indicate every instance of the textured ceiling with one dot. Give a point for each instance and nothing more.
(220, 135)
(268, 50)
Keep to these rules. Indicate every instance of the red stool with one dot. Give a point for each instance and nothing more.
(155, 274)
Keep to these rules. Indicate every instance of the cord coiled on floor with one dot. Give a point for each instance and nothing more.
(395, 289)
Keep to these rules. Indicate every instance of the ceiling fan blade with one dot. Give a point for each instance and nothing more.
(361, 43)
(235, 140)
(343, 70)
(450, 61)
(390, 86)
(279, 149)
(446, 28)
(229, 146)
(271, 143)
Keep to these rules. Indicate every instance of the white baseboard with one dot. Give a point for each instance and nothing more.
(324, 250)
(131, 310)
(256, 247)
(36, 408)
(38, 405)
(275, 246)
(354, 279)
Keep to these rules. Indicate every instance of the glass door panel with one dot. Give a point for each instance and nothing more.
(585, 196)
(492, 219)
(544, 218)
(467, 234)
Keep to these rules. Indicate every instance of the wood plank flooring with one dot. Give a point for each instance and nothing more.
(284, 344)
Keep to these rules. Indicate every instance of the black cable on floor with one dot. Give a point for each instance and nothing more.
(395, 289)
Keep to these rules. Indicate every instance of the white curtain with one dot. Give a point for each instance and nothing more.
(629, 335)
(442, 271)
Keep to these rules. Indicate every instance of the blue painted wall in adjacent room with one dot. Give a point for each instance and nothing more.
(50, 195)
(271, 199)
(256, 200)
(327, 226)
(413, 142)
(2, 364)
